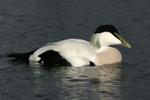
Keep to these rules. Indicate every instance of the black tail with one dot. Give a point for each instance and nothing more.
(21, 56)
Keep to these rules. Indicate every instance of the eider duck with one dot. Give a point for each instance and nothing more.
(78, 52)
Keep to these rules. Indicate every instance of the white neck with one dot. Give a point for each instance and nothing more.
(103, 48)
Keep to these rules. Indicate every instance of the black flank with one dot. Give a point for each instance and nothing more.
(53, 58)
(92, 64)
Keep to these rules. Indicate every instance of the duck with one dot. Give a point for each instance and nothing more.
(78, 52)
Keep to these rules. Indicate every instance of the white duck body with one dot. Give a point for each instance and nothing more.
(75, 51)
(80, 52)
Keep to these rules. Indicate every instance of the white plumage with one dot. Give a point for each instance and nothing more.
(79, 52)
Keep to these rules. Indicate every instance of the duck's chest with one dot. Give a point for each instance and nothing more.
(109, 56)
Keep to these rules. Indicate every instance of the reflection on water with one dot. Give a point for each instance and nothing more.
(84, 82)
(110, 76)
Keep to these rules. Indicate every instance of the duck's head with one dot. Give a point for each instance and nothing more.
(106, 35)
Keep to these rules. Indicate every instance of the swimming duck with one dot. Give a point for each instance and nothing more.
(78, 52)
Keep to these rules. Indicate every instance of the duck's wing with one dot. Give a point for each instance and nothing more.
(74, 51)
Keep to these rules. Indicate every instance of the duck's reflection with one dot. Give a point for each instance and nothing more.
(95, 83)
(110, 76)
(99, 82)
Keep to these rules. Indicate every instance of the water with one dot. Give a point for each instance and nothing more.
(29, 24)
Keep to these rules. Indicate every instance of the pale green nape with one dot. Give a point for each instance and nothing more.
(95, 41)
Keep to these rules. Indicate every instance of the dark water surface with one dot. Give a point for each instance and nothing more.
(26, 25)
